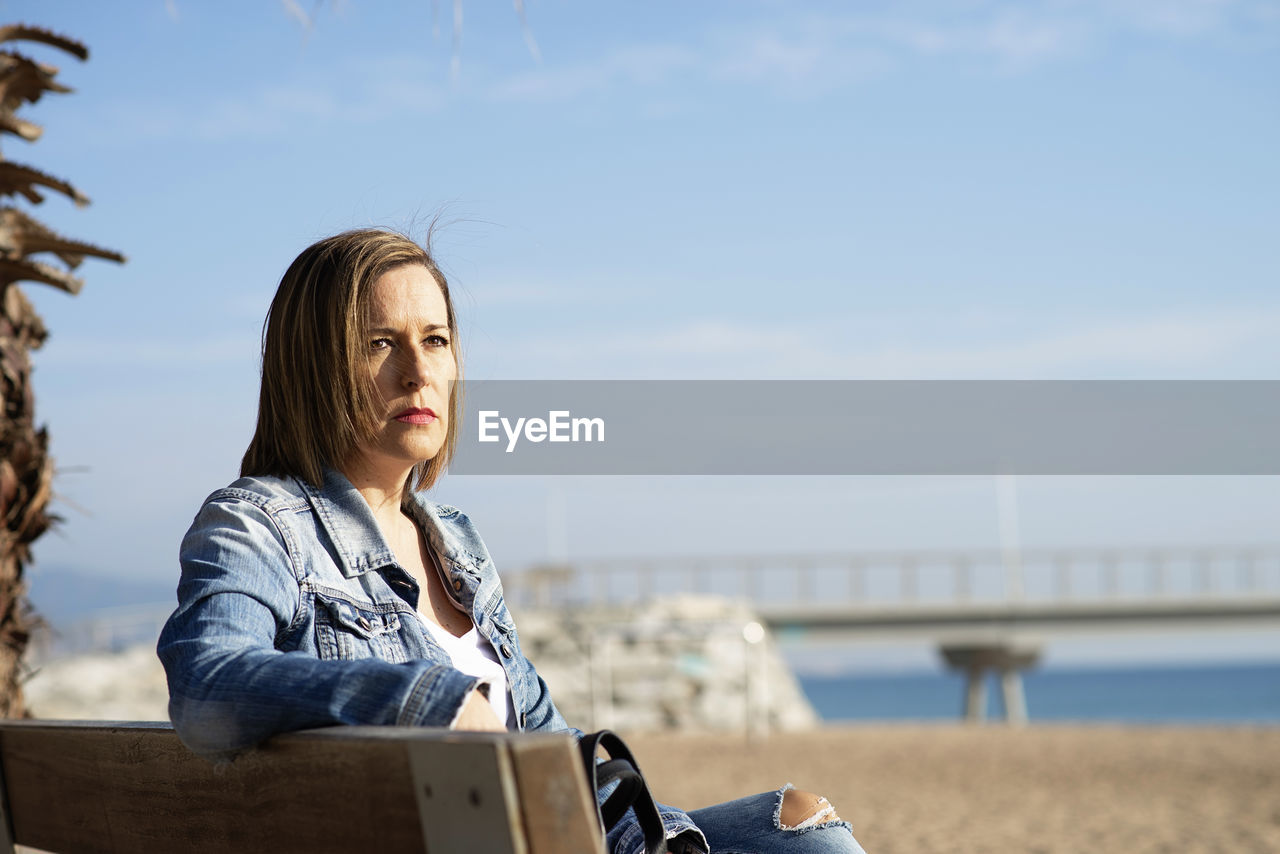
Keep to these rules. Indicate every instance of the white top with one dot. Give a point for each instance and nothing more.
(474, 656)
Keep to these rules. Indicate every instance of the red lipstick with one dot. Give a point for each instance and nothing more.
(414, 415)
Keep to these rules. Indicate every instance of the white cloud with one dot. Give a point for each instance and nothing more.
(270, 112)
(1186, 18)
(806, 54)
(1222, 345)
(841, 49)
(643, 65)
(794, 54)
(766, 55)
(1141, 348)
(520, 295)
(360, 92)
(1022, 39)
(166, 353)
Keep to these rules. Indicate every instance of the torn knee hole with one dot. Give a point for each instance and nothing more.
(802, 809)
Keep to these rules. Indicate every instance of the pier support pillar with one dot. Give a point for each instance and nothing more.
(1015, 701)
(1009, 659)
(975, 695)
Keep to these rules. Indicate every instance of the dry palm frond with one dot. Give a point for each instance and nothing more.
(23, 180)
(21, 270)
(22, 32)
(23, 80)
(20, 236)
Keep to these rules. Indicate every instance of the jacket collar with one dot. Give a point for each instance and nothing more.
(347, 519)
(443, 535)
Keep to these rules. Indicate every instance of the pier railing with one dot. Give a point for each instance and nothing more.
(872, 587)
(927, 579)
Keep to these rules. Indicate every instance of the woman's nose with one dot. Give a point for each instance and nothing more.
(415, 373)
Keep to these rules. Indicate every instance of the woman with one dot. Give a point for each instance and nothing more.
(322, 587)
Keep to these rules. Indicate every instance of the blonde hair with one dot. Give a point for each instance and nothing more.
(318, 403)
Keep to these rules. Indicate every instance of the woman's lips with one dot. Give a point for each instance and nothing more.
(416, 416)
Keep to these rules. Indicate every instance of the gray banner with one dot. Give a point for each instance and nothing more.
(809, 427)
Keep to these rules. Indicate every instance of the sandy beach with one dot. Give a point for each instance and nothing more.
(1043, 789)
(924, 789)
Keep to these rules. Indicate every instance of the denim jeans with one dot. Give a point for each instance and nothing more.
(752, 825)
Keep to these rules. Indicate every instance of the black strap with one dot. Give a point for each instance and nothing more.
(632, 791)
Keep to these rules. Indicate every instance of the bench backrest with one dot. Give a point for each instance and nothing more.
(72, 786)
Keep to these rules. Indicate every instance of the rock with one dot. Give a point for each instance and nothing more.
(680, 662)
(124, 686)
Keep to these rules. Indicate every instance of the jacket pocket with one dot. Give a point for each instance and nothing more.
(348, 631)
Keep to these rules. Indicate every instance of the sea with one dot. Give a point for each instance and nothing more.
(1166, 694)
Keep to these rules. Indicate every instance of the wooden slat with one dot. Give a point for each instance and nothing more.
(123, 787)
(472, 807)
(6, 835)
(559, 811)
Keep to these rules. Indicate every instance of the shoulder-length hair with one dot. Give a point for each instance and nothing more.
(318, 402)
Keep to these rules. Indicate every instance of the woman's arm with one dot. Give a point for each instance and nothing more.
(477, 715)
(230, 688)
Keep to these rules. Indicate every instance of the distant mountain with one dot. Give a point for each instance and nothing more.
(66, 595)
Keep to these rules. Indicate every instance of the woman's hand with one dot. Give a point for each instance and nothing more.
(478, 715)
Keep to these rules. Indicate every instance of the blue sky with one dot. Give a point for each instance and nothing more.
(979, 190)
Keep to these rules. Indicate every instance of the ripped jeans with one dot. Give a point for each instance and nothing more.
(753, 825)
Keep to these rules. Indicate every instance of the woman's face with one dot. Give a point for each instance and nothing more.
(412, 364)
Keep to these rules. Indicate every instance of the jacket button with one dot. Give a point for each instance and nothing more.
(506, 651)
(457, 584)
(364, 624)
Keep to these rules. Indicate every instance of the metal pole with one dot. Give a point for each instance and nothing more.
(1158, 574)
(804, 579)
(907, 578)
(1249, 572)
(1204, 565)
(964, 579)
(1007, 505)
(1062, 571)
(1111, 575)
(755, 711)
(859, 580)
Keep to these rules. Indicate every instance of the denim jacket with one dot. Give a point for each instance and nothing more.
(293, 613)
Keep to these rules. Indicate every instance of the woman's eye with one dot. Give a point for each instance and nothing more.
(437, 341)
(380, 344)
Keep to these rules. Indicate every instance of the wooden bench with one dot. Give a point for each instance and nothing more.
(90, 786)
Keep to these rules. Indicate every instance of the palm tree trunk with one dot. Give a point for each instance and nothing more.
(26, 470)
(26, 474)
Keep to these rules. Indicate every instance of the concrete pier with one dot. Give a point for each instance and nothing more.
(1008, 659)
